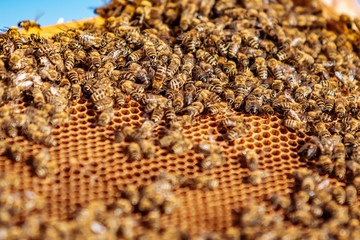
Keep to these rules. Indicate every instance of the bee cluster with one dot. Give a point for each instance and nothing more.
(180, 60)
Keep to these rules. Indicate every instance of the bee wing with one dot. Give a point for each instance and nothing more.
(352, 74)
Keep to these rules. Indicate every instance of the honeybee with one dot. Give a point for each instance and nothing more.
(150, 51)
(280, 202)
(177, 82)
(182, 146)
(340, 169)
(252, 160)
(134, 151)
(296, 125)
(131, 192)
(147, 149)
(302, 92)
(14, 35)
(230, 68)
(252, 104)
(351, 194)
(213, 160)
(40, 162)
(191, 41)
(69, 57)
(331, 49)
(136, 55)
(15, 152)
(173, 65)
(106, 102)
(283, 54)
(339, 195)
(256, 177)
(261, 68)
(215, 108)
(207, 57)
(356, 182)
(234, 46)
(105, 117)
(249, 38)
(188, 63)
(236, 132)
(75, 91)
(159, 78)
(189, 93)
(194, 109)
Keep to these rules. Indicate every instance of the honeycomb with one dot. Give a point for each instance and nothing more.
(93, 167)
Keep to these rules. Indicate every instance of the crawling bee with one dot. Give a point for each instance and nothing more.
(252, 160)
(134, 151)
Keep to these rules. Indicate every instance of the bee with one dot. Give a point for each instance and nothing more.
(261, 68)
(194, 109)
(340, 107)
(213, 160)
(221, 46)
(134, 151)
(39, 99)
(14, 35)
(302, 93)
(191, 41)
(229, 96)
(189, 93)
(339, 195)
(73, 76)
(356, 182)
(252, 160)
(3, 71)
(69, 57)
(159, 78)
(276, 69)
(296, 125)
(215, 108)
(331, 49)
(177, 99)
(308, 184)
(236, 132)
(283, 54)
(40, 162)
(249, 39)
(234, 46)
(280, 202)
(147, 149)
(188, 63)
(207, 57)
(174, 65)
(330, 103)
(256, 177)
(105, 117)
(243, 59)
(120, 98)
(182, 146)
(150, 51)
(136, 55)
(351, 194)
(230, 68)
(15, 152)
(340, 169)
(157, 114)
(252, 104)
(106, 102)
(75, 91)
(131, 193)
(177, 82)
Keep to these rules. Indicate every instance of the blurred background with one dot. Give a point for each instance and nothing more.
(50, 12)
